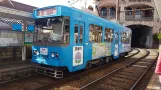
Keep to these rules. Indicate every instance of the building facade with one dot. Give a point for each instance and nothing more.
(139, 15)
(158, 7)
(15, 18)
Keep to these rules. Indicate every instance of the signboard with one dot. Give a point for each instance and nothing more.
(77, 55)
(28, 38)
(46, 12)
(17, 27)
(30, 27)
(10, 38)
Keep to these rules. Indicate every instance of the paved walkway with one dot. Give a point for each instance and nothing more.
(9, 66)
(154, 83)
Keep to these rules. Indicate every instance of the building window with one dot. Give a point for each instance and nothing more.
(129, 11)
(112, 12)
(138, 11)
(95, 33)
(103, 11)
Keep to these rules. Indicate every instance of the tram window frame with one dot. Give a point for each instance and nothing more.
(128, 37)
(123, 37)
(81, 34)
(39, 30)
(116, 38)
(76, 31)
(67, 37)
(95, 33)
(108, 35)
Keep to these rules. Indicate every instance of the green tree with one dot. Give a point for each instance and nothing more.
(155, 36)
(159, 36)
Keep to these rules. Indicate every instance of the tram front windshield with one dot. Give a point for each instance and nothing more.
(49, 31)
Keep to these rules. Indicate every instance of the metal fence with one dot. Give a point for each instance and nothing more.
(134, 18)
(140, 0)
(109, 17)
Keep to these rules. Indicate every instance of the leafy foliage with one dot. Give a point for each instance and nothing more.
(157, 36)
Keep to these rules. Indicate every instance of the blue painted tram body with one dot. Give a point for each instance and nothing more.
(68, 37)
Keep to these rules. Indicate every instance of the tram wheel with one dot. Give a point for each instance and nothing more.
(107, 59)
(88, 65)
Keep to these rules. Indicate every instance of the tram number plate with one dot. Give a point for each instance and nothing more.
(43, 51)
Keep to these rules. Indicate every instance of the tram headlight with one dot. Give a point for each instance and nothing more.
(57, 55)
(35, 52)
(52, 54)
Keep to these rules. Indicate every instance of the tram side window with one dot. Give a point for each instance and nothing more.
(95, 33)
(122, 40)
(108, 35)
(76, 33)
(128, 38)
(116, 38)
(66, 30)
(81, 32)
(124, 37)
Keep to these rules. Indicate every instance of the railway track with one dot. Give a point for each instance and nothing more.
(124, 78)
(36, 81)
(77, 81)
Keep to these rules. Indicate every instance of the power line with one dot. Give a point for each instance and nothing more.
(73, 2)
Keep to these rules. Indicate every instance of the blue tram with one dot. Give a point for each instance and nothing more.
(68, 37)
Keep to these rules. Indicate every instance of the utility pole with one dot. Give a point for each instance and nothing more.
(117, 10)
(85, 3)
(97, 7)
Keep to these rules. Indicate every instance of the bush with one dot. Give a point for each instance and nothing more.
(157, 36)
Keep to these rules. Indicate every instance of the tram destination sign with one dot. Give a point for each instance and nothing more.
(45, 12)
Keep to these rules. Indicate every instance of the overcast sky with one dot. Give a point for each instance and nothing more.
(42, 3)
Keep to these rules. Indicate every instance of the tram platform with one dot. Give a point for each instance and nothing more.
(15, 65)
(154, 83)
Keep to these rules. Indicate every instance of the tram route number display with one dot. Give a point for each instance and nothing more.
(44, 51)
(46, 12)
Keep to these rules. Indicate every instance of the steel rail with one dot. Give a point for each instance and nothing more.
(143, 74)
(87, 85)
(66, 79)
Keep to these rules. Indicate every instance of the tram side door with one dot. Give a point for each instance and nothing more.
(116, 45)
(78, 49)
